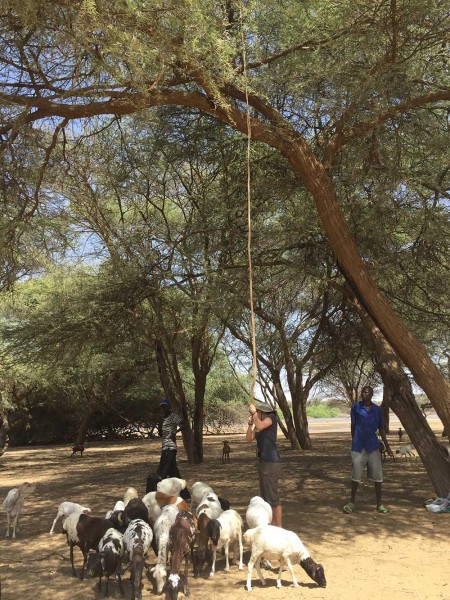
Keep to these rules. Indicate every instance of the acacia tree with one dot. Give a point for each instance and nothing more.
(364, 68)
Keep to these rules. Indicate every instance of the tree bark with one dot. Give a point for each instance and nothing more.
(387, 393)
(174, 391)
(400, 397)
(86, 421)
(200, 367)
(301, 420)
(4, 439)
(282, 403)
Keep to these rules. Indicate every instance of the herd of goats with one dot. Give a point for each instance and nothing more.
(163, 521)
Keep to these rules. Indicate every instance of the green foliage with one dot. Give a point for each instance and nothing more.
(322, 411)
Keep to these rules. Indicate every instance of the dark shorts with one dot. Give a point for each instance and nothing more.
(269, 474)
(168, 468)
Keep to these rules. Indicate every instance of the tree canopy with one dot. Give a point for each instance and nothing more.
(123, 115)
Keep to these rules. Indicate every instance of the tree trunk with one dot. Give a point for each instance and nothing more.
(403, 403)
(343, 243)
(86, 422)
(282, 403)
(387, 394)
(199, 412)
(301, 420)
(4, 439)
(173, 389)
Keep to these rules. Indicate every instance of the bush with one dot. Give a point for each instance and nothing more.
(322, 411)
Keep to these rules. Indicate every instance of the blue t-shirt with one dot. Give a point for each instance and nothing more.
(366, 422)
(266, 441)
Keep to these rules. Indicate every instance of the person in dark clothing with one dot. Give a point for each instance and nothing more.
(262, 426)
(171, 424)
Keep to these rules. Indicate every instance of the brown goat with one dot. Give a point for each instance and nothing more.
(226, 451)
(77, 448)
(182, 539)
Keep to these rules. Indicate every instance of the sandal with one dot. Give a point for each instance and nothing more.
(382, 509)
(349, 508)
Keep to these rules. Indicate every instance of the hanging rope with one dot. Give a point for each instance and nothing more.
(249, 214)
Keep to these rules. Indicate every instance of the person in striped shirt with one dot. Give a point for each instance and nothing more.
(171, 424)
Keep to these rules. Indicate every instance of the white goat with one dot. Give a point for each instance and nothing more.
(199, 489)
(67, 508)
(259, 512)
(162, 535)
(285, 546)
(12, 505)
(119, 505)
(171, 486)
(210, 505)
(223, 531)
(129, 495)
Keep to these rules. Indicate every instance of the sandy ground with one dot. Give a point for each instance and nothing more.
(403, 555)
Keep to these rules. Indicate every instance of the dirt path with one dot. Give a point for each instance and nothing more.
(400, 556)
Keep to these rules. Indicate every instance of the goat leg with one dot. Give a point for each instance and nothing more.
(213, 564)
(291, 570)
(13, 525)
(187, 590)
(71, 561)
(8, 522)
(258, 570)
(227, 557)
(83, 550)
(241, 551)
(119, 581)
(251, 562)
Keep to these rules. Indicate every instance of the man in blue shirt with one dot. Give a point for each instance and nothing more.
(366, 420)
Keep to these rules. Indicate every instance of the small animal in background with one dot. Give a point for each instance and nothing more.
(405, 451)
(400, 434)
(12, 505)
(77, 448)
(226, 451)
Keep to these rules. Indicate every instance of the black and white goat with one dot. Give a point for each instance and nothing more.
(286, 547)
(224, 531)
(200, 490)
(108, 560)
(137, 538)
(182, 539)
(209, 508)
(161, 531)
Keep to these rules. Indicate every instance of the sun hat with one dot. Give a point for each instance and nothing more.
(263, 406)
(164, 403)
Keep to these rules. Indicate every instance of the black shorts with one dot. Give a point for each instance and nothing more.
(168, 468)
